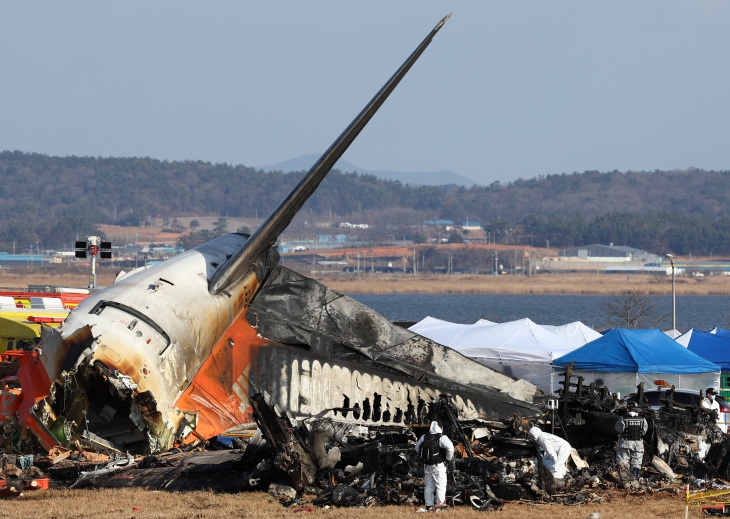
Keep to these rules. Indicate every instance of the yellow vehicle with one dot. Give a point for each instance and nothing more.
(20, 328)
(19, 332)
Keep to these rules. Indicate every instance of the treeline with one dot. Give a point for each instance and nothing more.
(52, 199)
(658, 232)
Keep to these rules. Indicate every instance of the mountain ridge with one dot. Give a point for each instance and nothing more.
(433, 178)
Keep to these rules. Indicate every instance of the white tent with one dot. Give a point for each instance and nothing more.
(684, 339)
(575, 333)
(674, 334)
(440, 331)
(521, 349)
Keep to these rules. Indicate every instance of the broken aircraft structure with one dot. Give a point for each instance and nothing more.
(170, 355)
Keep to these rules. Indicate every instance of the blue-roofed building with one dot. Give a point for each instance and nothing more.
(8, 260)
(438, 222)
(471, 226)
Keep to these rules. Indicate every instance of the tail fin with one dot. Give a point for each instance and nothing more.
(266, 235)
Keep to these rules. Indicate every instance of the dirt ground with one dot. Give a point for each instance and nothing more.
(121, 503)
(63, 275)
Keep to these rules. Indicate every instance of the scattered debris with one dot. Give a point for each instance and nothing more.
(331, 462)
(279, 491)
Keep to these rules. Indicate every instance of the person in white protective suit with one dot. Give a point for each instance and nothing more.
(557, 451)
(434, 450)
(710, 402)
(631, 430)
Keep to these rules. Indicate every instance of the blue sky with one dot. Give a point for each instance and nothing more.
(506, 90)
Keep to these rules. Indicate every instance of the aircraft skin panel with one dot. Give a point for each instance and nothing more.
(219, 393)
(305, 383)
(293, 309)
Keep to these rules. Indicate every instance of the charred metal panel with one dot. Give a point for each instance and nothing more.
(292, 455)
(293, 309)
(305, 384)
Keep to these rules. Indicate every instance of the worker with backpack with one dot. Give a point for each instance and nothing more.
(434, 450)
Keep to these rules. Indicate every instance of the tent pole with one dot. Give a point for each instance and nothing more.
(552, 373)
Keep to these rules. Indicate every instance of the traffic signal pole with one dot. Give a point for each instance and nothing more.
(93, 246)
(93, 250)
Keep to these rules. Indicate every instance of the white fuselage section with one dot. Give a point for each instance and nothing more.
(157, 326)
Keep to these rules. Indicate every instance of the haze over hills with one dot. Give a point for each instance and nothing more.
(436, 178)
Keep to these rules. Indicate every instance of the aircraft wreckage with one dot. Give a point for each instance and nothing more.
(172, 354)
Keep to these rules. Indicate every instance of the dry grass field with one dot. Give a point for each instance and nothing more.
(56, 275)
(542, 284)
(426, 283)
(126, 503)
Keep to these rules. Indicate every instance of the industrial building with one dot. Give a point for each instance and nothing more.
(596, 252)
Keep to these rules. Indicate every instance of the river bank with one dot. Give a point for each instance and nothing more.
(573, 283)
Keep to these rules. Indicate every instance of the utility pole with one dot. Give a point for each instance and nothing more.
(674, 295)
(523, 263)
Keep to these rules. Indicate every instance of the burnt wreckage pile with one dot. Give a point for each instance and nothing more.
(331, 460)
(682, 440)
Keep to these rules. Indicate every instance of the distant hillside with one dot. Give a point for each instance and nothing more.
(438, 178)
(51, 199)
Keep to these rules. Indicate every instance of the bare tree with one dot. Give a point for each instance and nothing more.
(632, 309)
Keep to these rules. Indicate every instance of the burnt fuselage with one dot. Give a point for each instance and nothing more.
(181, 363)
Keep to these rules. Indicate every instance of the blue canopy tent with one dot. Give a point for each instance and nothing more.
(623, 358)
(709, 346)
(720, 331)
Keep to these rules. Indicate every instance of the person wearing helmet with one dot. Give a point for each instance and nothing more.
(434, 450)
(631, 429)
(557, 451)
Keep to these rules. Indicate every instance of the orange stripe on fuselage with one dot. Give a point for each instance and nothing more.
(219, 392)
